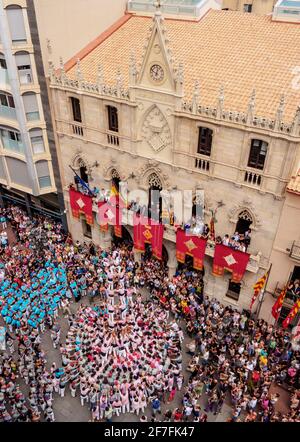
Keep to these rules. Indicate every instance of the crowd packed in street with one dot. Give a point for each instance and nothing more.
(124, 352)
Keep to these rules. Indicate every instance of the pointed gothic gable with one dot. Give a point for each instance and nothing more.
(157, 64)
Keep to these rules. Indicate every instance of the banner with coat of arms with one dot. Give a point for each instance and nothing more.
(234, 261)
(190, 245)
(148, 231)
(81, 204)
(110, 213)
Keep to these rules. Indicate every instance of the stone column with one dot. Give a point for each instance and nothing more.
(137, 256)
(172, 262)
(1, 199)
(27, 202)
(105, 239)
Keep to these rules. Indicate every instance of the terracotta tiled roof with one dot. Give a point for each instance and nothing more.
(294, 184)
(239, 51)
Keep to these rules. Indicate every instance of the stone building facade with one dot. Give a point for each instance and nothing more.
(161, 108)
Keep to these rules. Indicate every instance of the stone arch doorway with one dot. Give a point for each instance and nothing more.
(125, 240)
(188, 265)
(148, 253)
(155, 199)
(244, 222)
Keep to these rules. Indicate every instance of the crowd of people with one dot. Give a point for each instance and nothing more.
(118, 362)
(124, 352)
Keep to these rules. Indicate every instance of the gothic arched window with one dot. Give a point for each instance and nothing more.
(245, 220)
(115, 178)
(155, 200)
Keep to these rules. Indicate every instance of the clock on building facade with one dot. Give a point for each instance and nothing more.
(157, 73)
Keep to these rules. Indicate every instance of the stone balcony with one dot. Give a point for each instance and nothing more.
(170, 235)
(295, 251)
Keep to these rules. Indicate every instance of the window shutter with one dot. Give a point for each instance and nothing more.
(42, 168)
(18, 172)
(23, 59)
(37, 141)
(2, 171)
(30, 103)
(16, 24)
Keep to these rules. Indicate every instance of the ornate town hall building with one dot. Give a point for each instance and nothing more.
(176, 104)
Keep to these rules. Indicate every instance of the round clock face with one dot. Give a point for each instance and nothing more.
(157, 73)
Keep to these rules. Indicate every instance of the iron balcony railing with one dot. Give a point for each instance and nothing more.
(295, 250)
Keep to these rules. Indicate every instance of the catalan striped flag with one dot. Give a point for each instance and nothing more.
(114, 191)
(258, 286)
(212, 226)
(276, 309)
(294, 310)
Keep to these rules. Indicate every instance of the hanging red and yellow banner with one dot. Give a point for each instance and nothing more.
(293, 312)
(234, 261)
(110, 213)
(190, 245)
(148, 231)
(276, 309)
(81, 204)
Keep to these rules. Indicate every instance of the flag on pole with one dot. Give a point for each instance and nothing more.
(212, 227)
(276, 309)
(82, 183)
(258, 286)
(294, 310)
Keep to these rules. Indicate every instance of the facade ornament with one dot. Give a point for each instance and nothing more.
(148, 169)
(100, 79)
(62, 70)
(119, 81)
(196, 96)
(79, 75)
(180, 78)
(280, 111)
(80, 160)
(132, 68)
(157, 14)
(220, 102)
(251, 107)
(245, 210)
(296, 122)
(156, 130)
(51, 70)
(111, 170)
(49, 48)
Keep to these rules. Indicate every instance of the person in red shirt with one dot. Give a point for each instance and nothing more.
(178, 415)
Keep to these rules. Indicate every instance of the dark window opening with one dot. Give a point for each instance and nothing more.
(155, 203)
(204, 141)
(76, 109)
(3, 63)
(83, 174)
(247, 7)
(293, 291)
(87, 230)
(113, 122)
(116, 182)
(258, 152)
(7, 100)
(234, 289)
(243, 226)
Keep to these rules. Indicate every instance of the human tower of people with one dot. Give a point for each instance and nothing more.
(123, 353)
